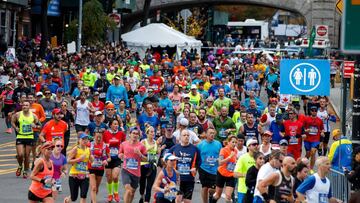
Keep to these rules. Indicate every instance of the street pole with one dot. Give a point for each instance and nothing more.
(356, 105)
(79, 28)
(344, 89)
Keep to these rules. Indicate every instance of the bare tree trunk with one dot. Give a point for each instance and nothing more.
(44, 28)
(146, 12)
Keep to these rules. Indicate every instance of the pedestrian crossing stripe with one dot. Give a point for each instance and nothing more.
(9, 159)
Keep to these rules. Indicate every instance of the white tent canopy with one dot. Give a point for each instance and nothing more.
(159, 34)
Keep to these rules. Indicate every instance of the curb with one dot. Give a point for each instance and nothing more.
(336, 110)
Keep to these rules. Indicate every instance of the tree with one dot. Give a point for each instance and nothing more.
(95, 23)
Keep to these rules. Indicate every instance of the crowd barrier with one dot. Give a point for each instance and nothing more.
(340, 186)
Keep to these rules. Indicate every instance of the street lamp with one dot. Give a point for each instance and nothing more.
(78, 47)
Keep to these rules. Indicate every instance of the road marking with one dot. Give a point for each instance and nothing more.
(6, 155)
(8, 164)
(7, 144)
(3, 172)
(5, 160)
(6, 150)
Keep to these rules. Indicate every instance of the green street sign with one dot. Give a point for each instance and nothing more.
(350, 42)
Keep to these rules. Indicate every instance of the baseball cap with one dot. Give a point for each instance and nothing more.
(96, 93)
(314, 107)
(9, 83)
(336, 132)
(251, 141)
(83, 136)
(117, 77)
(217, 68)
(193, 86)
(279, 117)
(267, 133)
(110, 106)
(60, 90)
(47, 145)
(169, 156)
(142, 89)
(206, 64)
(56, 111)
(38, 94)
(97, 113)
(283, 142)
(184, 122)
(186, 96)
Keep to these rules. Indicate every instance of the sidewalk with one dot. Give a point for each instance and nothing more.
(336, 99)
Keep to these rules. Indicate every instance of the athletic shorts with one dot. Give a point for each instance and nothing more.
(96, 172)
(33, 197)
(309, 145)
(75, 184)
(26, 142)
(187, 188)
(114, 163)
(130, 179)
(79, 128)
(295, 151)
(326, 138)
(222, 181)
(207, 179)
(8, 108)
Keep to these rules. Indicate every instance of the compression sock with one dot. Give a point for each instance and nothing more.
(109, 187)
(116, 187)
(8, 123)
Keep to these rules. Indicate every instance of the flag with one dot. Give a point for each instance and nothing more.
(311, 41)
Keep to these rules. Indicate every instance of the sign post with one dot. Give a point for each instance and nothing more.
(305, 77)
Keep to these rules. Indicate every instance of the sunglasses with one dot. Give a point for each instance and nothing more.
(47, 93)
(313, 110)
(255, 144)
(135, 132)
(63, 105)
(59, 146)
(110, 109)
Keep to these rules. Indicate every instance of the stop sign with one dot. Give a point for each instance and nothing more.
(116, 18)
(321, 30)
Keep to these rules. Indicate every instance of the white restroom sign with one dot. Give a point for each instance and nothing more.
(305, 77)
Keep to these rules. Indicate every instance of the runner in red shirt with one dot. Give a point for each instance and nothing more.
(293, 133)
(54, 128)
(101, 153)
(113, 138)
(314, 128)
(97, 104)
(156, 81)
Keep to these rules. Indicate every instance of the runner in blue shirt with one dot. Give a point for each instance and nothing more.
(117, 92)
(209, 154)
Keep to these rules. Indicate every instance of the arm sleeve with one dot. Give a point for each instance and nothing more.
(330, 193)
(333, 148)
(308, 184)
(108, 94)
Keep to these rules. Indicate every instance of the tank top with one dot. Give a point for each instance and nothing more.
(39, 189)
(123, 117)
(251, 132)
(25, 126)
(108, 119)
(151, 152)
(171, 181)
(82, 113)
(319, 193)
(80, 169)
(284, 188)
(99, 153)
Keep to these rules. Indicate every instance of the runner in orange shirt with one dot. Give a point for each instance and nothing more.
(38, 110)
(225, 174)
(54, 128)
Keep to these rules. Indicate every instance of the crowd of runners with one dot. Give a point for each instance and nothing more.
(161, 124)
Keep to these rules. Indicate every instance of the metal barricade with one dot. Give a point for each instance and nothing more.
(340, 186)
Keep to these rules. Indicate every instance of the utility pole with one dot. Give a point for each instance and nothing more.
(356, 105)
(78, 47)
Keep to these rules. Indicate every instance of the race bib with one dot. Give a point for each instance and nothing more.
(210, 161)
(81, 166)
(184, 169)
(293, 140)
(222, 133)
(171, 195)
(323, 198)
(132, 164)
(97, 163)
(230, 166)
(26, 128)
(47, 186)
(313, 130)
(102, 95)
(114, 151)
(48, 114)
(117, 101)
(151, 157)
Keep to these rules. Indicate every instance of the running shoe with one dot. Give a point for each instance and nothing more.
(18, 171)
(9, 131)
(116, 197)
(25, 174)
(110, 198)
